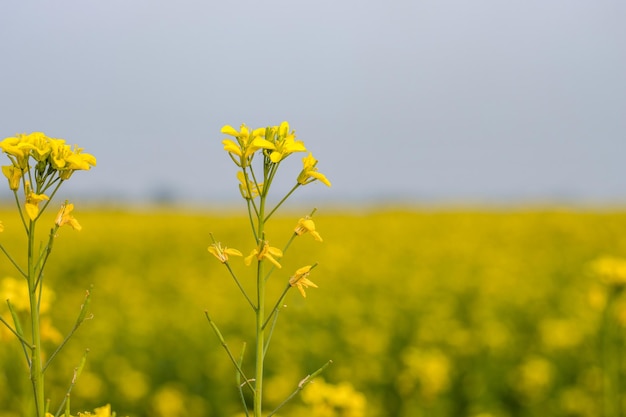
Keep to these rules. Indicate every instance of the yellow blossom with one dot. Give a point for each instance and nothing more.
(267, 252)
(300, 280)
(17, 148)
(610, 270)
(223, 253)
(76, 160)
(285, 144)
(13, 174)
(65, 217)
(39, 144)
(32, 202)
(104, 411)
(309, 172)
(306, 225)
(247, 144)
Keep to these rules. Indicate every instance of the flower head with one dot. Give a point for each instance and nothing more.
(305, 225)
(610, 270)
(65, 217)
(309, 172)
(52, 155)
(285, 143)
(18, 149)
(301, 281)
(265, 252)
(222, 253)
(247, 143)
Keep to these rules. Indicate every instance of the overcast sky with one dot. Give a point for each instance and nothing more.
(481, 100)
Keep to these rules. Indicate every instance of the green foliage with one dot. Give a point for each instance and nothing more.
(424, 313)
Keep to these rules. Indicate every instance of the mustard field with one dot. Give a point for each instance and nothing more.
(423, 313)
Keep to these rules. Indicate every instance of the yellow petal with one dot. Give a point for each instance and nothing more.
(229, 130)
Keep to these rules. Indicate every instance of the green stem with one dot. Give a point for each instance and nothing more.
(260, 342)
(260, 317)
(36, 373)
(610, 357)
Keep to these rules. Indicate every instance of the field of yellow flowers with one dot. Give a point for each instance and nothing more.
(423, 313)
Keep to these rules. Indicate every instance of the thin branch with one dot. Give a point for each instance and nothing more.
(77, 371)
(301, 386)
(239, 384)
(230, 355)
(13, 261)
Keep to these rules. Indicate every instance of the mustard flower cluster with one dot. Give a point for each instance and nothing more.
(610, 270)
(38, 163)
(274, 143)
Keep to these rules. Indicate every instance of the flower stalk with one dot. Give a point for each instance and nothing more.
(39, 165)
(259, 153)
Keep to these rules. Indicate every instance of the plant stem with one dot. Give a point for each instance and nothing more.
(36, 373)
(260, 318)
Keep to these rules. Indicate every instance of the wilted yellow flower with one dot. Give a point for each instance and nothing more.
(300, 280)
(309, 172)
(249, 189)
(285, 144)
(223, 253)
(306, 225)
(247, 144)
(267, 252)
(32, 202)
(14, 175)
(65, 217)
(610, 270)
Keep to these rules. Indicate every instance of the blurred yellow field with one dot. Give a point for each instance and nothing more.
(423, 313)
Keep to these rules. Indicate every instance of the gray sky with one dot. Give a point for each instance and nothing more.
(482, 100)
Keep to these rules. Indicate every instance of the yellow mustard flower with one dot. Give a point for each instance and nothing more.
(222, 253)
(76, 160)
(60, 151)
(18, 148)
(40, 145)
(65, 217)
(104, 411)
(610, 270)
(305, 225)
(309, 172)
(249, 189)
(247, 143)
(301, 281)
(267, 252)
(32, 202)
(14, 175)
(285, 144)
